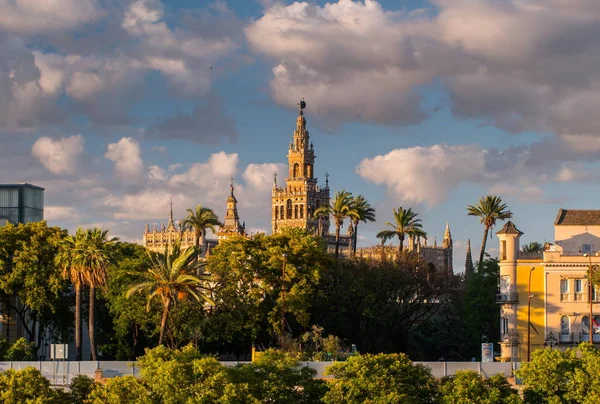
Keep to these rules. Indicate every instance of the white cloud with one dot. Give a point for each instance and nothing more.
(157, 173)
(521, 66)
(127, 156)
(424, 174)
(59, 156)
(69, 213)
(46, 16)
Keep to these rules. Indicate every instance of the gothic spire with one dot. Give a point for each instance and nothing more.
(447, 243)
(469, 259)
(171, 224)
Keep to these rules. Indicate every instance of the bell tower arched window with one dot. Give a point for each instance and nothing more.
(295, 171)
(289, 209)
(308, 171)
(281, 212)
(276, 213)
(295, 211)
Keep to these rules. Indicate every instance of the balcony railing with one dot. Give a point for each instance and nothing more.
(565, 337)
(585, 337)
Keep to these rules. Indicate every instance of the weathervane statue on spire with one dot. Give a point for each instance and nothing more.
(302, 104)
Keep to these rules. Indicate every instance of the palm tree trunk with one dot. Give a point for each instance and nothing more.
(483, 243)
(91, 327)
(355, 239)
(77, 322)
(337, 239)
(401, 245)
(163, 322)
(197, 235)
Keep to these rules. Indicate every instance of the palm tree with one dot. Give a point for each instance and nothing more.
(405, 224)
(532, 247)
(85, 258)
(170, 278)
(71, 270)
(200, 220)
(340, 208)
(94, 256)
(364, 213)
(489, 209)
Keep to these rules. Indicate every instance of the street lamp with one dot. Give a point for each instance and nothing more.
(590, 292)
(550, 340)
(529, 296)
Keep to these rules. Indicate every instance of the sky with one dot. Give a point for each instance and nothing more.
(117, 107)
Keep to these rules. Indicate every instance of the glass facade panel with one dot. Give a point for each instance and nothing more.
(33, 198)
(9, 214)
(21, 203)
(9, 198)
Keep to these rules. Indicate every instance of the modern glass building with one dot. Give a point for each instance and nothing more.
(21, 203)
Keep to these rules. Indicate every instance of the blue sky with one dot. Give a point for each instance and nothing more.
(117, 107)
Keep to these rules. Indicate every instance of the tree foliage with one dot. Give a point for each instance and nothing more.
(468, 387)
(28, 272)
(382, 378)
(569, 376)
(248, 283)
(27, 386)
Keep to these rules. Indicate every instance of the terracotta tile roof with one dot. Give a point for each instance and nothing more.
(509, 228)
(577, 217)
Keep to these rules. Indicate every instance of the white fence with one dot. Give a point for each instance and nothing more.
(61, 373)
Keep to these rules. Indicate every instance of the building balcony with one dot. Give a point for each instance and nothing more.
(585, 337)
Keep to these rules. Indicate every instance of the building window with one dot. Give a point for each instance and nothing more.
(295, 211)
(281, 216)
(276, 213)
(301, 211)
(504, 284)
(565, 328)
(503, 250)
(289, 209)
(578, 290)
(308, 171)
(564, 290)
(295, 172)
(586, 248)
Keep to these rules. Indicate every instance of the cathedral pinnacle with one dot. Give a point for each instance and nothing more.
(469, 259)
(171, 224)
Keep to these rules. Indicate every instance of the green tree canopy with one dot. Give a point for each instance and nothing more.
(468, 387)
(569, 376)
(248, 276)
(28, 272)
(382, 378)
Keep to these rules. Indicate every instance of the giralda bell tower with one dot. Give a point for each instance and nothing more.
(294, 205)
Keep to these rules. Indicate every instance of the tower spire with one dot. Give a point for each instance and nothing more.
(171, 224)
(469, 260)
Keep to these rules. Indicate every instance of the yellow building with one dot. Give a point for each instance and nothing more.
(551, 286)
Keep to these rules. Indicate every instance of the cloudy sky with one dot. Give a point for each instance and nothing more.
(118, 106)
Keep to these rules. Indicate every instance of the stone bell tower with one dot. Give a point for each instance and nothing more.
(295, 203)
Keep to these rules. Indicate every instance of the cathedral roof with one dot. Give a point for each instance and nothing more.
(577, 217)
